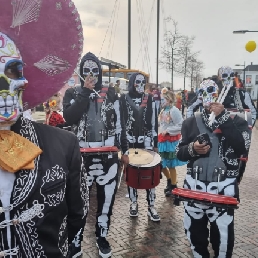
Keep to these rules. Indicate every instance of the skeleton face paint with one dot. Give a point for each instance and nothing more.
(12, 81)
(209, 93)
(227, 75)
(91, 68)
(163, 101)
(140, 83)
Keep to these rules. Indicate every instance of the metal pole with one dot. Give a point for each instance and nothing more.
(172, 70)
(157, 68)
(244, 76)
(186, 58)
(129, 34)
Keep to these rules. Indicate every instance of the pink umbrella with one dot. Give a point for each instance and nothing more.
(50, 39)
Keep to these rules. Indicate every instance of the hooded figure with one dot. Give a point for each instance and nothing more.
(99, 125)
(142, 130)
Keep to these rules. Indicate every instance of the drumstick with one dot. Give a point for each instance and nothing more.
(84, 81)
(220, 100)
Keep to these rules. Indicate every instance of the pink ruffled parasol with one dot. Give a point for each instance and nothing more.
(49, 36)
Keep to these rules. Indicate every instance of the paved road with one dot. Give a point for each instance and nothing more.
(143, 238)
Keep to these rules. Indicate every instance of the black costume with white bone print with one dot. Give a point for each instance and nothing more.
(98, 121)
(231, 143)
(141, 124)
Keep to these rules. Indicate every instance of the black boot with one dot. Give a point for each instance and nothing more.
(168, 184)
(169, 191)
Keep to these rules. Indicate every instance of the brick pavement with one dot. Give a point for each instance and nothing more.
(140, 237)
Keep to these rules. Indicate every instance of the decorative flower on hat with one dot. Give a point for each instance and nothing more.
(52, 103)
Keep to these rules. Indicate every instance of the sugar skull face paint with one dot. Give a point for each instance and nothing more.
(91, 68)
(227, 75)
(12, 81)
(140, 83)
(209, 92)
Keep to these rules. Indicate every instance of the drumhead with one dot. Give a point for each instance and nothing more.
(143, 158)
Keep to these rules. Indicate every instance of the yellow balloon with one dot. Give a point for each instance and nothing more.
(250, 46)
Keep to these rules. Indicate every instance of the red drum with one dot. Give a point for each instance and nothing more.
(144, 169)
(208, 199)
(106, 150)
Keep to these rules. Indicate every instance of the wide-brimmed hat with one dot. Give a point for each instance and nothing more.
(49, 37)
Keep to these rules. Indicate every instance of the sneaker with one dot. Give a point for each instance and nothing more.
(104, 247)
(133, 209)
(168, 185)
(152, 213)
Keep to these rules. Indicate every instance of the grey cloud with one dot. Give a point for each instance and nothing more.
(91, 22)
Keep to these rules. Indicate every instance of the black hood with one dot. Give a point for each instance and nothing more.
(131, 88)
(90, 56)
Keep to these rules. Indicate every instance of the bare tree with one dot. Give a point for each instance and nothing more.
(195, 69)
(169, 53)
(187, 57)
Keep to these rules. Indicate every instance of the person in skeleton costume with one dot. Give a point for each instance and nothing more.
(237, 98)
(170, 120)
(98, 123)
(43, 191)
(141, 128)
(53, 118)
(206, 164)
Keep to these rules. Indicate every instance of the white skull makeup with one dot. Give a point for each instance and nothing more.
(91, 68)
(209, 92)
(163, 101)
(140, 83)
(12, 82)
(226, 74)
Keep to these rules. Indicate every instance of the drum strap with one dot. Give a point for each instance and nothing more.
(213, 164)
(238, 101)
(138, 117)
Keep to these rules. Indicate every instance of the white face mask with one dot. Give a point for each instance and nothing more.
(91, 68)
(11, 90)
(140, 83)
(209, 92)
(226, 75)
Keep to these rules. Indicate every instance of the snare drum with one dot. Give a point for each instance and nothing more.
(209, 199)
(107, 150)
(144, 169)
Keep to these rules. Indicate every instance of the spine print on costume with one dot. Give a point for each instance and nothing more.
(215, 172)
(141, 127)
(98, 123)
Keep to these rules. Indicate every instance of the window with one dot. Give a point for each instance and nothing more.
(106, 74)
(248, 80)
(256, 79)
(129, 75)
(119, 75)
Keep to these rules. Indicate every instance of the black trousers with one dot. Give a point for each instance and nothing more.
(221, 231)
(103, 170)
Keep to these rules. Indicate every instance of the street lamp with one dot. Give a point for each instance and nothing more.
(244, 72)
(243, 31)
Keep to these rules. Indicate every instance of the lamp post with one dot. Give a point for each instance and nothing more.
(244, 73)
(243, 32)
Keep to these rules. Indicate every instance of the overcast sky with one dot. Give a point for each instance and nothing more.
(211, 22)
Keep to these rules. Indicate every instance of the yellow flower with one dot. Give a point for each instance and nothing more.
(52, 103)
